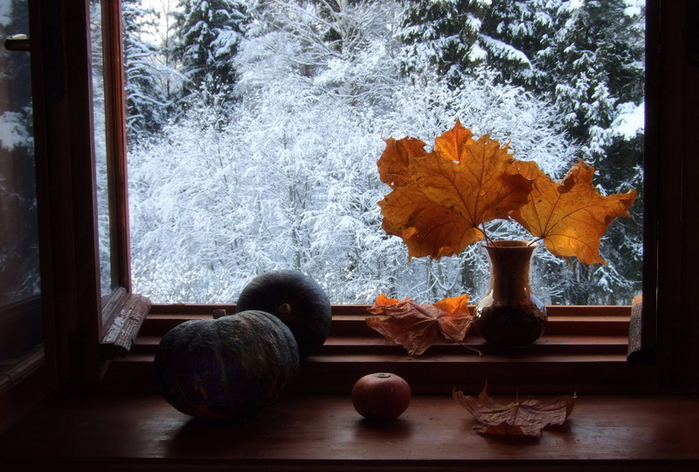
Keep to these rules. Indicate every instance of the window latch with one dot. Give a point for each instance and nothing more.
(17, 42)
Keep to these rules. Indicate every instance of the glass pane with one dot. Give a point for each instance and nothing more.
(106, 272)
(255, 127)
(20, 311)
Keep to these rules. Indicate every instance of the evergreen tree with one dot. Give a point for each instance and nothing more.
(442, 35)
(587, 59)
(209, 35)
(516, 34)
(147, 100)
(597, 77)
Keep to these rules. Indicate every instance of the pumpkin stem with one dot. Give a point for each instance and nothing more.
(285, 309)
(219, 313)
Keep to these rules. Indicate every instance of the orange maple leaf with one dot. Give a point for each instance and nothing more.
(417, 327)
(526, 418)
(395, 160)
(440, 199)
(571, 216)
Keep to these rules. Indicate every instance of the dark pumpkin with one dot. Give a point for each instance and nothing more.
(296, 299)
(226, 368)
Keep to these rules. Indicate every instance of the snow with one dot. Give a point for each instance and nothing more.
(634, 7)
(505, 50)
(12, 132)
(5, 13)
(630, 120)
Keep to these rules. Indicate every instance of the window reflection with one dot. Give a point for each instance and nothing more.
(20, 313)
(100, 137)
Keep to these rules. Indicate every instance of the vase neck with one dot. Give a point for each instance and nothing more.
(509, 271)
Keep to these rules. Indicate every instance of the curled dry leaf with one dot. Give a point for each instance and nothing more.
(526, 418)
(416, 327)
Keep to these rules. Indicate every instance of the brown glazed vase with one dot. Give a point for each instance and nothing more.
(510, 315)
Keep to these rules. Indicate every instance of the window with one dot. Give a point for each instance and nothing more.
(583, 358)
(69, 241)
(122, 311)
(20, 293)
(277, 114)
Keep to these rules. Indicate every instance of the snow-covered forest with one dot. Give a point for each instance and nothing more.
(255, 126)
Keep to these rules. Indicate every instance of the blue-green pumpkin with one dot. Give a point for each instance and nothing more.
(296, 299)
(227, 368)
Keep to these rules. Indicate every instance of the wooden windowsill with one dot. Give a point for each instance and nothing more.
(617, 423)
(323, 432)
(584, 350)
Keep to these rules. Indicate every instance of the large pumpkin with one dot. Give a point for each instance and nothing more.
(297, 300)
(226, 368)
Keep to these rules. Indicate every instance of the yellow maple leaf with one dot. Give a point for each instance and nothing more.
(393, 163)
(570, 216)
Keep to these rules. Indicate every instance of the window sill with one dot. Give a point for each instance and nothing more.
(584, 350)
(323, 432)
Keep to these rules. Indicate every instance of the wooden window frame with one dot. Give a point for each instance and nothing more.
(83, 327)
(73, 306)
(351, 316)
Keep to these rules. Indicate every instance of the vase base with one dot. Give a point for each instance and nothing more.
(511, 327)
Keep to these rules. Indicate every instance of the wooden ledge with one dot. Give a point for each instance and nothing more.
(584, 350)
(323, 432)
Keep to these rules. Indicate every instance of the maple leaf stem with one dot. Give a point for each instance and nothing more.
(485, 235)
(462, 344)
(534, 241)
(477, 351)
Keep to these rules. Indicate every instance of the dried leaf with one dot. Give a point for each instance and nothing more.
(571, 216)
(526, 418)
(393, 163)
(440, 199)
(417, 327)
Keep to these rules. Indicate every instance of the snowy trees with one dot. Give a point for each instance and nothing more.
(209, 33)
(587, 59)
(284, 175)
(442, 35)
(147, 92)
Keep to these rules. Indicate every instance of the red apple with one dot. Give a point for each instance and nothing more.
(381, 396)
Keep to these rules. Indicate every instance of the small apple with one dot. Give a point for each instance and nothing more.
(381, 396)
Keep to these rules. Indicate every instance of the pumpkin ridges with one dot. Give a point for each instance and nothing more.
(227, 368)
(168, 358)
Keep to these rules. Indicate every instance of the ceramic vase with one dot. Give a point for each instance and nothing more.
(510, 315)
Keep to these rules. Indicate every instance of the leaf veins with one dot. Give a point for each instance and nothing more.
(416, 327)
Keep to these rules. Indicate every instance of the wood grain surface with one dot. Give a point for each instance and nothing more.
(143, 432)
